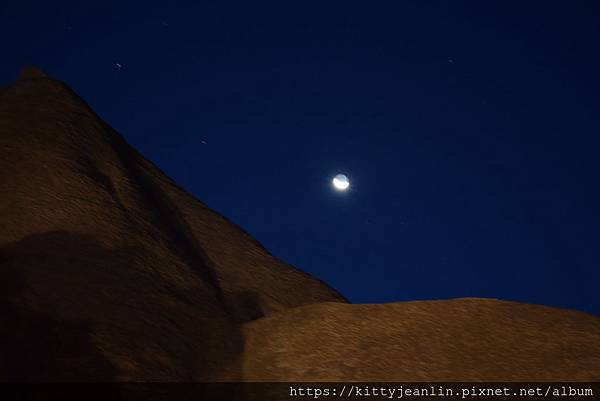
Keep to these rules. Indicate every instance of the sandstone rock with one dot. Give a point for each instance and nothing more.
(110, 271)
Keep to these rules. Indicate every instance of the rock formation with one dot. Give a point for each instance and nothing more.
(111, 272)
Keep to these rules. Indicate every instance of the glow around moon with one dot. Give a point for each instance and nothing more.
(341, 182)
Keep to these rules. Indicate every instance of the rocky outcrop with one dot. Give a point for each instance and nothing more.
(470, 339)
(110, 271)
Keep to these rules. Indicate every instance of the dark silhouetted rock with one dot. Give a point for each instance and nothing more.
(110, 271)
(32, 73)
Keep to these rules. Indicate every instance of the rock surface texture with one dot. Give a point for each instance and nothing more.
(111, 272)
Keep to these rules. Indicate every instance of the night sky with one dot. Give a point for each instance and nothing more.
(470, 131)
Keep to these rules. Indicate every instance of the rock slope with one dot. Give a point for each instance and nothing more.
(109, 270)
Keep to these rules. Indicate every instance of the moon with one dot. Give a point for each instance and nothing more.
(341, 182)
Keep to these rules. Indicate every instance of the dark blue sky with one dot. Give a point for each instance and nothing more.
(469, 130)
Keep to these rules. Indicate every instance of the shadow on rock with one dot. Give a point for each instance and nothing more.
(35, 346)
(73, 310)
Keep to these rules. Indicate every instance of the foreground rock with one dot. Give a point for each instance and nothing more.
(471, 339)
(110, 271)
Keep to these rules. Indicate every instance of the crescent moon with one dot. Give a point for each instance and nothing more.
(341, 182)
